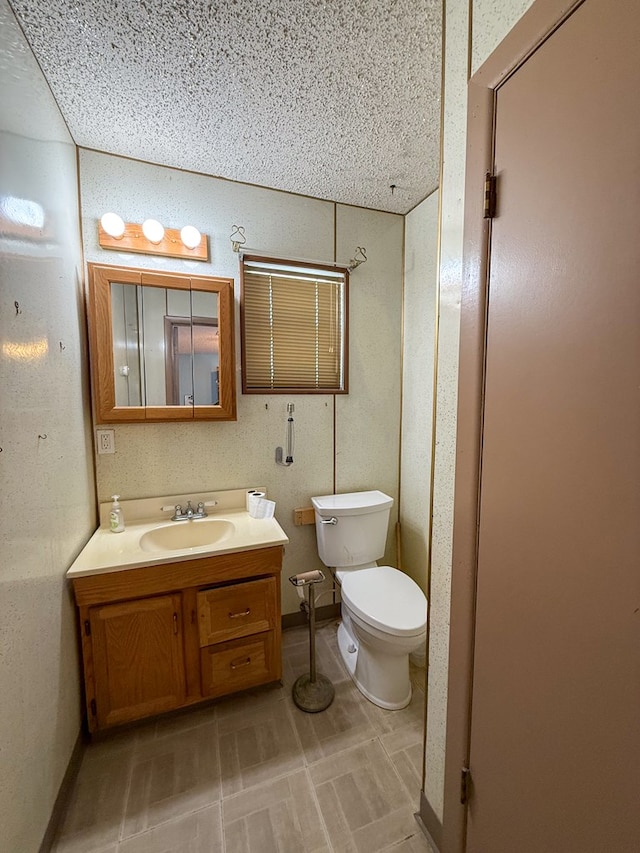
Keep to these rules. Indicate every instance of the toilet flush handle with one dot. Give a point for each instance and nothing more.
(332, 520)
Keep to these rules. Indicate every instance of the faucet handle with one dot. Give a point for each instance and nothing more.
(177, 516)
(200, 507)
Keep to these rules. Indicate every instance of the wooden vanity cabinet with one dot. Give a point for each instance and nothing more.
(157, 638)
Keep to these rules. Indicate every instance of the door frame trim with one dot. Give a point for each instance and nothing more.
(536, 25)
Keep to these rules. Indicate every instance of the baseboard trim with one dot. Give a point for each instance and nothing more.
(64, 794)
(327, 611)
(429, 823)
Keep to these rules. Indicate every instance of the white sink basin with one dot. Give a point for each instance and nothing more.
(186, 534)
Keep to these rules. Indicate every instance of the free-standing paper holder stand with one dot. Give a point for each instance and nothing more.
(312, 692)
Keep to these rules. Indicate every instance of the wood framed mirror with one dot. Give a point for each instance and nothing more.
(161, 345)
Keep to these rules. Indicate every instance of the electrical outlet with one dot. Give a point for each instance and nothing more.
(105, 441)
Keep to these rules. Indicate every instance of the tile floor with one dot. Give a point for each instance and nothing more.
(254, 774)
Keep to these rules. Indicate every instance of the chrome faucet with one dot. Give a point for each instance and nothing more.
(189, 513)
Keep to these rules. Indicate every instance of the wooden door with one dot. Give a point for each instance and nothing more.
(138, 658)
(555, 739)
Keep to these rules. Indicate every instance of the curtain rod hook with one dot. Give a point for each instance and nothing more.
(237, 237)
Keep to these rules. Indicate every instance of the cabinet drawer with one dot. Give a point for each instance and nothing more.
(230, 612)
(238, 664)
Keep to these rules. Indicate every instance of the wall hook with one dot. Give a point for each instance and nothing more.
(18, 308)
(62, 346)
(42, 436)
(237, 237)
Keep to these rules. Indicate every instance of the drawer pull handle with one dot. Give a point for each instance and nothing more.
(236, 664)
(238, 615)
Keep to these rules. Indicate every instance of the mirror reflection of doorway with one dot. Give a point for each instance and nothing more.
(192, 355)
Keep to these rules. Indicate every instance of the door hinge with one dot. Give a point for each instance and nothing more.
(489, 196)
(94, 707)
(87, 628)
(465, 785)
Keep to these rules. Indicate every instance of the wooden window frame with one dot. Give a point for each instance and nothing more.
(320, 268)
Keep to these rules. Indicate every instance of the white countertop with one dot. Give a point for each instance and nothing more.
(108, 552)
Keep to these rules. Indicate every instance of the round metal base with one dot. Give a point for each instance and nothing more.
(313, 696)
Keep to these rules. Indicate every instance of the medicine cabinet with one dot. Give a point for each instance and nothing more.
(162, 346)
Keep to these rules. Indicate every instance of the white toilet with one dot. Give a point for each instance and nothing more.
(384, 612)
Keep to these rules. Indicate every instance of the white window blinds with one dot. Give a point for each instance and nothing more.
(293, 321)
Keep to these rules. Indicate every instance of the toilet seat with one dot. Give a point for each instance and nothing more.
(387, 599)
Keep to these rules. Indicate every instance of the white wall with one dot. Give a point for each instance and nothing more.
(419, 332)
(491, 21)
(156, 459)
(47, 483)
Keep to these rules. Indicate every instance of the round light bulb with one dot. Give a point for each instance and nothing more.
(113, 225)
(153, 230)
(190, 236)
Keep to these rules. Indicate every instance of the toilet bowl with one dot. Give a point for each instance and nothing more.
(384, 612)
(384, 616)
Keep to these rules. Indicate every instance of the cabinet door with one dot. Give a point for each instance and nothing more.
(138, 658)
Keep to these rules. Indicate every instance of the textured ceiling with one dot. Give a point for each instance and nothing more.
(336, 99)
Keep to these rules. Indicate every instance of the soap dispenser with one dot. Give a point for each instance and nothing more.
(116, 516)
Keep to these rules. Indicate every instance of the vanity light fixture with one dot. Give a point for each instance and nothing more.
(151, 238)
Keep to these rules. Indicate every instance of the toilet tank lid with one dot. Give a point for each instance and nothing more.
(351, 503)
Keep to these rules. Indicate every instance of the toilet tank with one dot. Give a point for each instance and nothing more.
(360, 533)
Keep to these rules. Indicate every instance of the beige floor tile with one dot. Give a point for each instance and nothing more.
(181, 721)
(418, 676)
(121, 739)
(249, 702)
(199, 832)
(411, 717)
(293, 637)
(94, 816)
(276, 817)
(362, 800)
(408, 764)
(257, 745)
(62, 846)
(296, 657)
(404, 748)
(418, 843)
(344, 724)
(172, 776)
(383, 834)
(403, 738)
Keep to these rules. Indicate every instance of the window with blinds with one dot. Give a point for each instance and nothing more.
(294, 328)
